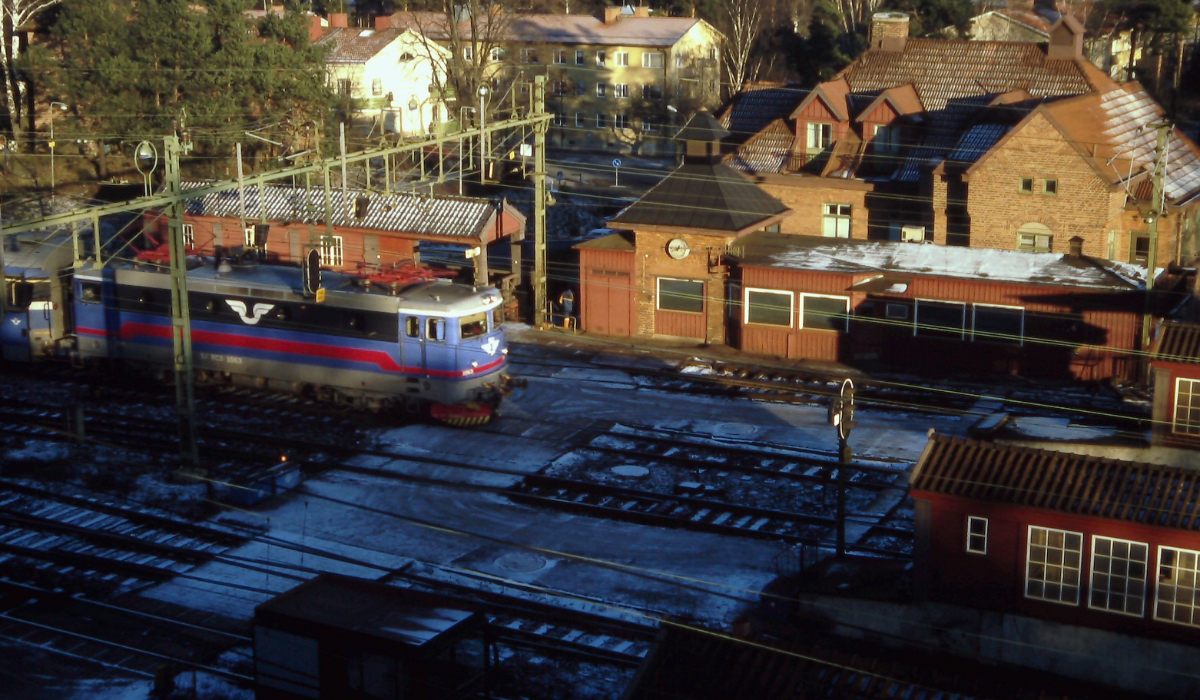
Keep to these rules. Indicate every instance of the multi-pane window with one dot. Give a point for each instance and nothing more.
(1177, 594)
(1186, 418)
(580, 120)
(1035, 238)
(189, 236)
(680, 295)
(648, 124)
(1052, 565)
(825, 312)
(249, 238)
(331, 251)
(558, 87)
(495, 54)
(768, 307)
(998, 324)
(601, 120)
(560, 55)
(977, 534)
(835, 220)
(600, 89)
(1118, 576)
(529, 56)
(621, 58)
(940, 319)
(620, 90)
(886, 139)
(621, 121)
(560, 119)
(468, 53)
(819, 136)
(652, 60)
(579, 57)
(601, 58)
(345, 87)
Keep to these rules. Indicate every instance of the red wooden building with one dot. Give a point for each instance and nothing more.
(1071, 538)
(1175, 364)
(912, 306)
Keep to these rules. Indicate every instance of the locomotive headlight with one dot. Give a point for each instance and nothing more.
(474, 363)
(504, 351)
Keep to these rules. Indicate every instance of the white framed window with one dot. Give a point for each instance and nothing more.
(1118, 581)
(600, 89)
(621, 121)
(885, 139)
(601, 120)
(529, 56)
(468, 53)
(996, 323)
(559, 119)
(558, 87)
(601, 57)
(835, 220)
(1052, 562)
(1035, 238)
(977, 534)
(249, 236)
(940, 319)
(560, 56)
(818, 136)
(652, 59)
(376, 87)
(648, 125)
(768, 307)
(1185, 418)
(1177, 593)
(680, 295)
(621, 58)
(580, 59)
(712, 53)
(825, 312)
(189, 236)
(331, 251)
(580, 120)
(620, 90)
(495, 54)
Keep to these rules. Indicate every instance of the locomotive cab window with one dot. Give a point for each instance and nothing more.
(435, 329)
(474, 325)
(412, 327)
(90, 292)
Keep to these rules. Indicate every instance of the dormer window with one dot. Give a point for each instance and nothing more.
(820, 135)
(885, 139)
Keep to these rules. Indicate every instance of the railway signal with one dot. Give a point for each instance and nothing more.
(841, 416)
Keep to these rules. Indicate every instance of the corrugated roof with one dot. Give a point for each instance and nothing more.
(707, 196)
(446, 217)
(1065, 482)
(865, 257)
(564, 29)
(1177, 342)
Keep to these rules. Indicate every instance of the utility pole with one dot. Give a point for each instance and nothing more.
(841, 416)
(181, 324)
(540, 126)
(1157, 180)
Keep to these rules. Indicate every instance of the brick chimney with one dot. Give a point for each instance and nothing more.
(316, 26)
(611, 14)
(382, 22)
(1075, 246)
(1066, 40)
(889, 31)
(339, 19)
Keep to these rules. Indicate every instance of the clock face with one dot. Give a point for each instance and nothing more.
(678, 248)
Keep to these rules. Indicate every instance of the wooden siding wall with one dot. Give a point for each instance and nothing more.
(795, 342)
(606, 292)
(996, 580)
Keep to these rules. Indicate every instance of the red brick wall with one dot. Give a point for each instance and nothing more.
(653, 262)
(805, 195)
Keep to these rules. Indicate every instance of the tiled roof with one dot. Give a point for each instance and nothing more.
(902, 98)
(356, 45)
(443, 217)
(976, 141)
(766, 152)
(565, 29)
(753, 109)
(858, 257)
(707, 196)
(1177, 342)
(945, 69)
(1084, 485)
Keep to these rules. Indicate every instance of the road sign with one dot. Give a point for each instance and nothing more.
(616, 162)
(616, 172)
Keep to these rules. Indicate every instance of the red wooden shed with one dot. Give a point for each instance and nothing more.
(1175, 365)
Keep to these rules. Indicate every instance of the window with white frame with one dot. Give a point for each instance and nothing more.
(560, 55)
(580, 58)
(818, 137)
(249, 237)
(940, 319)
(468, 53)
(189, 236)
(1177, 593)
(558, 87)
(1052, 565)
(825, 312)
(648, 124)
(580, 120)
(994, 323)
(621, 121)
(600, 89)
(977, 534)
(331, 251)
(560, 119)
(376, 87)
(529, 56)
(680, 295)
(601, 120)
(1035, 238)
(495, 54)
(1185, 420)
(1118, 582)
(768, 307)
(885, 139)
(652, 59)
(620, 90)
(835, 220)
(621, 58)
(601, 57)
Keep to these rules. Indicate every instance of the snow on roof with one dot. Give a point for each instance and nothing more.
(816, 253)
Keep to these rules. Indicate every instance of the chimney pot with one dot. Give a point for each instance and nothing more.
(610, 15)
(1076, 246)
(339, 19)
(889, 31)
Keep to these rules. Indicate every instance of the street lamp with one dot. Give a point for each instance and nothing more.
(483, 91)
(53, 106)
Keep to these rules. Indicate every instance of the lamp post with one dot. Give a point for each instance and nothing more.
(483, 91)
(53, 106)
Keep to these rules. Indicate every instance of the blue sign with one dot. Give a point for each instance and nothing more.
(616, 162)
